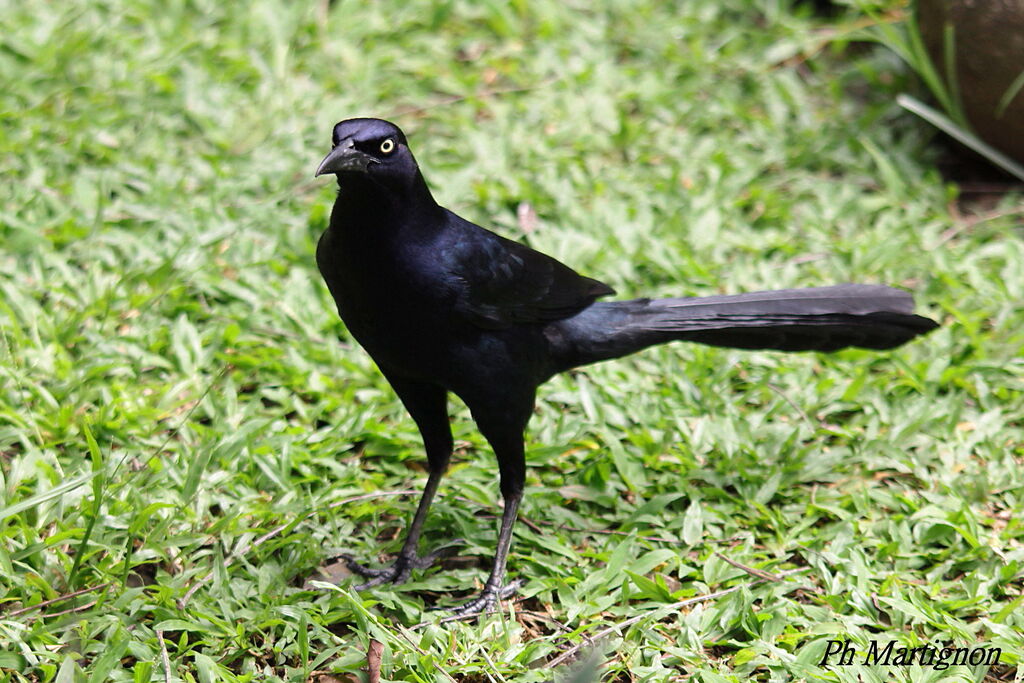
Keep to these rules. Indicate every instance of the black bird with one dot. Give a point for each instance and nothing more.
(443, 305)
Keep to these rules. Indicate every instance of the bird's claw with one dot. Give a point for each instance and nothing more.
(483, 603)
(399, 570)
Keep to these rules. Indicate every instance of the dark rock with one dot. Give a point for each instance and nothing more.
(989, 54)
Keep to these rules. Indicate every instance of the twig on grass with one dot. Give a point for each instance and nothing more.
(792, 404)
(163, 656)
(758, 573)
(59, 598)
(71, 610)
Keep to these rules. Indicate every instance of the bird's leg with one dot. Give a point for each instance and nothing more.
(503, 428)
(495, 589)
(407, 559)
(427, 405)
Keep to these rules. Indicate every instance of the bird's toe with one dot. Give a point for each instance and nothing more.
(486, 601)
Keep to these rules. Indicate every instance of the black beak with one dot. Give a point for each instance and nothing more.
(344, 157)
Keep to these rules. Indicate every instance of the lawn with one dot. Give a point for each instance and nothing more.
(187, 432)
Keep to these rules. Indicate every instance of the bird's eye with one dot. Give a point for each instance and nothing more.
(387, 147)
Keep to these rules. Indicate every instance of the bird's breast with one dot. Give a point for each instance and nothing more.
(396, 304)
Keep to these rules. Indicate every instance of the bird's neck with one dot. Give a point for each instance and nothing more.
(365, 206)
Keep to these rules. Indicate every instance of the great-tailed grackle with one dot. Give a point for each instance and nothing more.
(443, 305)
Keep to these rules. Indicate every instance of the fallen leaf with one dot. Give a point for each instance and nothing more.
(373, 657)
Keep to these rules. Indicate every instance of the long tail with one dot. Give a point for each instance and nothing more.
(815, 319)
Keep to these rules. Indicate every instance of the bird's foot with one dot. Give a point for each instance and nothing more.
(483, 603)
(399, 570)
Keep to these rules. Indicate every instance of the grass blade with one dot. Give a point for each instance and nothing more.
(965, 137)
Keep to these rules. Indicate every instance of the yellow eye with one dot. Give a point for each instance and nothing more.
(387, 147)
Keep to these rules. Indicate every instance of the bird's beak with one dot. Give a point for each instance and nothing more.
(345, 157)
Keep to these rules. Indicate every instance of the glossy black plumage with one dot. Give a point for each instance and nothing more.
(443, 305)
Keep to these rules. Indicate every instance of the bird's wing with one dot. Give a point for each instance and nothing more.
(504, 283)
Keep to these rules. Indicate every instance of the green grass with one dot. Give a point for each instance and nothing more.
(175, 384)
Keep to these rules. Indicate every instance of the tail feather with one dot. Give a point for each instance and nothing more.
(814, 319)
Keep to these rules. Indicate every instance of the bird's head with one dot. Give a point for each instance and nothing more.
(371, 148)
